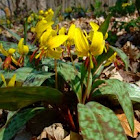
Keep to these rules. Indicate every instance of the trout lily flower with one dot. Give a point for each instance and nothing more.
(11, 82)
(50, 44)
(9, 56)
(71, 34)
(95, 27)
(42, 26)
(84, 48)
(87, 48)
(22, 49)
(111, 59)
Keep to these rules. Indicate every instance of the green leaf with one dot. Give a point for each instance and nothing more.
(71, 76)
(36, 78)
(104, 26)
(15, 98)
(121, 91)
(122, 55)
(17, 121)
(7, 45)
(21, 74)
(98, 122)
(134, 92)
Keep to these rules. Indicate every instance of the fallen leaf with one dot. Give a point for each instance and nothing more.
(126, 127)
(53, 132)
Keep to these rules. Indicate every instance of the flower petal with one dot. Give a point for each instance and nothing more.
(62, 31)
(3, 51)
(98, 44)
(20, 46)
(12, 81)
(71, 31)
(42, 26)
(45, 36)
(81, 43)
(94, 26)
(3, 79)
(56, 41)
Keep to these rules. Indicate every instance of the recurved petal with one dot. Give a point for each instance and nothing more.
(94, 26)
(81, 43)
(98, 44)
(71, 31)
(62, 31)
(20, 45)
(12, 81)
(45, 36)
(56, 41)
(42, 26)
(3, 51)
(55, 53)
(3, 79)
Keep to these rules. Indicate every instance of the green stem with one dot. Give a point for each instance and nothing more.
(25, 31)
(56, 76)
(86, 91)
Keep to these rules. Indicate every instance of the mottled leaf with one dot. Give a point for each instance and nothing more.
(17, 121)
(121, 91)
(36, 79)
(98, 122)
(15, 98)
(71, 76)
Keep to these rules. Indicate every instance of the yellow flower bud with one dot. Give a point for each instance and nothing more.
(11, 51)
(30, 19)
(25, 49)
(41, 12)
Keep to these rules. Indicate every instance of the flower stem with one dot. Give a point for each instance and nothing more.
(86, 91)
(56, 76)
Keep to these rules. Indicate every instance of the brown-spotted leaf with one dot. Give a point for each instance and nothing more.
(98, 122)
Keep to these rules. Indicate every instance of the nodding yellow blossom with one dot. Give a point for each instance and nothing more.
(50, 44)
(126, 4)
(71, 34)
(42, 26)
(49, 15)
(11, 83)
(7, 53)
(22, 49)
(84, 48)
(41, 12)
(95, 27)
(30, 19)
(111, 59)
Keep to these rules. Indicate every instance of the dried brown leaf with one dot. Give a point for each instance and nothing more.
(126, 127)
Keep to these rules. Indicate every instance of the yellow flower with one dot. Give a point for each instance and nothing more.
(42, 26)
(49, 15)
(11, 83)
(111, 59)
(22, 49)
(7, 53)
(50, 44)
(71, 34)
(84, 48)
(41, 12)
(95, 27)
(29, 19)
(126, 4)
